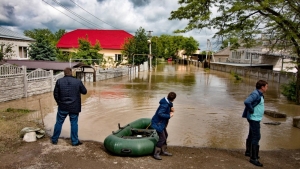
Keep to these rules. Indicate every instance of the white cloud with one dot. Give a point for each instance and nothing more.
(149, 14)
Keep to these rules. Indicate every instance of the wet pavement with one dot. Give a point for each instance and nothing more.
(208, 108)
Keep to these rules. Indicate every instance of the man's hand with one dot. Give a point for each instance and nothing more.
(171, 114)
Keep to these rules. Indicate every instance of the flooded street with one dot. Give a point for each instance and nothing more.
(208, 108)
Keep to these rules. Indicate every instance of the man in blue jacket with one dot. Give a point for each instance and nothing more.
(67, 94)
(160, 121)
(254, 111)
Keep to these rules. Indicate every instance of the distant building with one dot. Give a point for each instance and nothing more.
(111, 41)
(195, 56)
(259, 55)
(222, 55)
(20, 43)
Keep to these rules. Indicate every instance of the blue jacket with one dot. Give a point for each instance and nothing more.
(67, 94)
(162, 115)
(252, 100)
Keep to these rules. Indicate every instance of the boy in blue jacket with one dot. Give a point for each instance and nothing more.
(160, 121)
(254, 111)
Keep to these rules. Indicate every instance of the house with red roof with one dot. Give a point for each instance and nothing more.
(111, 41)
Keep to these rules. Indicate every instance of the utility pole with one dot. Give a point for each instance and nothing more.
(207, 58)
(150, 54)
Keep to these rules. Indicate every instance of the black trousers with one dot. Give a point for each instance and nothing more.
(254, 132)
(162, 138)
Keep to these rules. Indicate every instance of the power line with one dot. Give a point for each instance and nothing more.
(93, 15)
(76, 14)
(66, 14)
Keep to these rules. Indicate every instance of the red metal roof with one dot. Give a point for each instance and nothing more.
(109, 39)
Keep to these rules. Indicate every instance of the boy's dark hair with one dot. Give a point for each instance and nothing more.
(171, 96)
(260, 83)
(68, 71)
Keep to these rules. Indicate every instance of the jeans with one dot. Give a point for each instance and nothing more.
(60, 118)
(254, 132)
(162, 138)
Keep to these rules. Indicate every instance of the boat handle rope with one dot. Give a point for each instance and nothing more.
(115, 132)
(148, 126)
(122, 127)
(125, 150)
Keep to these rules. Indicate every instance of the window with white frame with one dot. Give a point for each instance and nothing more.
(236, 54)
(253, 56)
(23, 52)
(248, 56)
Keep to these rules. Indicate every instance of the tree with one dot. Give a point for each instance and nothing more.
(190, 45)
(63, 56)
(247, 19)
(53, 38)
(42, 49)
(88, 53)
(164, 46)
(170, 45)
(232, 41)
(46, 36)
(58, 35)
(6, 50)
(129, 49)
(137, 45)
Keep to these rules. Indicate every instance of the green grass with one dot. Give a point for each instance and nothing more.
(236, 76)
(12, 121)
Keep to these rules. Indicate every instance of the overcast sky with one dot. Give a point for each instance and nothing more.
(128, 15)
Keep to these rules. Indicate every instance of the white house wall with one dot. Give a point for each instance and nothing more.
(242, 58)
(288, 66)
(106, 52)
(111, 53)
(16, 44)
(264, 58)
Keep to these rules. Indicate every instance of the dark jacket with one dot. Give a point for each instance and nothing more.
(162, 115)
(252, 100)
(67, 94)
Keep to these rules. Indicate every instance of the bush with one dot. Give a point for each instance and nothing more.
(237, 77)
(289, 90)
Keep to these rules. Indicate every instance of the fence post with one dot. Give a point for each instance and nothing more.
(279, 77)
(52, 80)
(24, 68)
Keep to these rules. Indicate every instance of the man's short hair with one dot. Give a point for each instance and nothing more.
(68, 71)
(260, 83)
(171, 96)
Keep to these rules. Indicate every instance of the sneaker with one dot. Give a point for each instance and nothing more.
(79, 143)
(54, 142)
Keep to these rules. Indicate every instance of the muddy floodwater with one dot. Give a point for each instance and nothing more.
(208, 108)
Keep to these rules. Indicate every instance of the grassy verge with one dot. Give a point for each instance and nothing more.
(236, 76)
(12, 121)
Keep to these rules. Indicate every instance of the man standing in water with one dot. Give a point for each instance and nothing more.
(254, 111)
(159, 122)
(67, 96)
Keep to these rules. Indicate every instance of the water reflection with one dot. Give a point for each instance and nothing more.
(208, 108)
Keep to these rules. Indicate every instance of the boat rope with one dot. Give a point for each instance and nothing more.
(148, 126)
